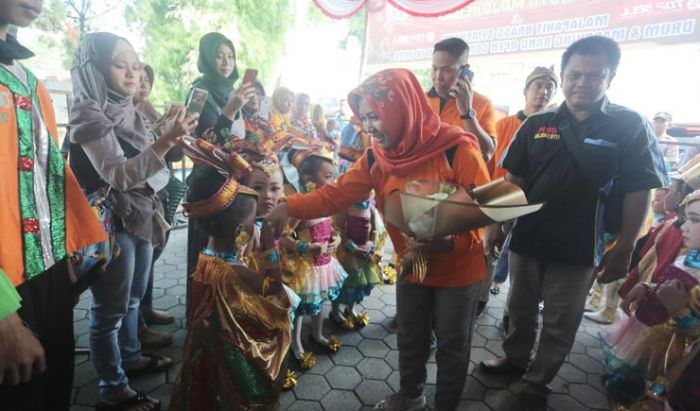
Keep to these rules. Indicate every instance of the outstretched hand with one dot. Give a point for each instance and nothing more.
(277, 219)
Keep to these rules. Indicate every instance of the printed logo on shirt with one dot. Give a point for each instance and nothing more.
(547, 133)
(5, 100)
(5, 106)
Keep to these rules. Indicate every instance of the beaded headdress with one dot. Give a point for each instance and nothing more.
(233, 166)
(257, 155)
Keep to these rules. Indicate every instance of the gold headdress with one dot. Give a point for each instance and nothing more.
(690, 198)
(298, 156)
(232, 165)
(257, 155)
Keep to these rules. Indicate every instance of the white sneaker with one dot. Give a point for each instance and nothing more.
(400, 402)
(604, 316)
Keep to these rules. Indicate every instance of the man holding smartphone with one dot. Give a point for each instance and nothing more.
(453, 97)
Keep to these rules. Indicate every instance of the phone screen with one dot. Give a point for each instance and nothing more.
(197, 101)
(466, 74)
(250, 76)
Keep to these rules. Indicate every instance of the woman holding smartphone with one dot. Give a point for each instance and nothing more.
(113, 151)
(220, 121)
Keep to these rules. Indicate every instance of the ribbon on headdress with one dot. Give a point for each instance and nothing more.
(232, 165)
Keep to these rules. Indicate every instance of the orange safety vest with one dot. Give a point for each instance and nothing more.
(76, 226)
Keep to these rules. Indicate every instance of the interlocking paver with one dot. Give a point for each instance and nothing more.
(341, 400)
(373, 348)
(347, 356)
(365, 370)
(373, 391)
(374, 331)
(374, 368)
(345, 378)
(311, 387)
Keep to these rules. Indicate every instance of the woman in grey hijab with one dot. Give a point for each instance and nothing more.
(113, 150)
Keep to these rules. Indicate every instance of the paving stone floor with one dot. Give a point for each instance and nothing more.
(365, 369)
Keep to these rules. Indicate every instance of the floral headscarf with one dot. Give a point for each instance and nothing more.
(398, 99)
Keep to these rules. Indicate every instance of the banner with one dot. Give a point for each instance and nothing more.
(340, 9)
(493, 27)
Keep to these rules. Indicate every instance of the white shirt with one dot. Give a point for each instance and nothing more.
(671, 152)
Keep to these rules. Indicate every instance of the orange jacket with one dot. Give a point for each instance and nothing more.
(505, 130)
(463, 265)
(82, 227)
(485, 112)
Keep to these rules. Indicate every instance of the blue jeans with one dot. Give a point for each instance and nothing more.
(116, 296)
(500, 273)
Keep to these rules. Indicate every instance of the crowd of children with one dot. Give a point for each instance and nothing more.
(649, 349)
(251, 285)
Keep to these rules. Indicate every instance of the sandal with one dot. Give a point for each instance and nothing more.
(155, 363)
(139, 399)
(290, 381)
(307, 360)
(360, 320)
(331, 348)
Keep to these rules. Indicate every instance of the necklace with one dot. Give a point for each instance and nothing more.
(230, 257)
(692, 259)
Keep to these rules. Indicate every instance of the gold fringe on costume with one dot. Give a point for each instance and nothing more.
(350, 262)
(236, 346)
(667, 345)
(294, 269)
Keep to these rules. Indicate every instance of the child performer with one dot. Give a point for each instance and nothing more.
(358, 256)
(239, 326)
(664, 323)
(315, 243)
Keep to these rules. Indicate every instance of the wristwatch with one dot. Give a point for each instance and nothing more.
(468, 115)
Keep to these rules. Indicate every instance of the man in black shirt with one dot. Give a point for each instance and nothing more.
(587, 156)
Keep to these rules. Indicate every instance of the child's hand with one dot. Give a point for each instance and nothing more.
(335, 242)
(673, 296)
(317, 249)
(636, 294)
(364, 251)
(267, 236)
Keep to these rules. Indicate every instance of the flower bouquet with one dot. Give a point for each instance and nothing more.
(429, 210)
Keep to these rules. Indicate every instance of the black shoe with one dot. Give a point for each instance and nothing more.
(532, 402)
(502, 366)
(480, 309)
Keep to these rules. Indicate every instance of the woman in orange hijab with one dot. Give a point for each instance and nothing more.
(410, 143)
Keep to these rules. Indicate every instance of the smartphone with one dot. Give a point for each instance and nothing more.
(250, 76)
(466, 74)
(197, 100)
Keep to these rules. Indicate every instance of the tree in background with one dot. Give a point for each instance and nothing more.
(172, 29)
(63, 23)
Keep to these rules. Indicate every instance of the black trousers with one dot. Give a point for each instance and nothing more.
(47, 308)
